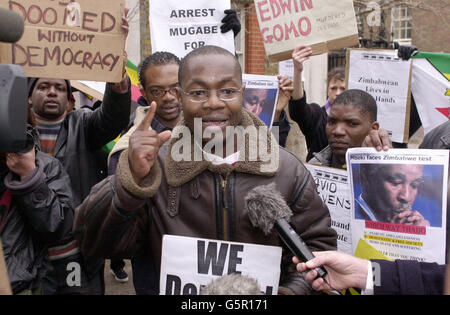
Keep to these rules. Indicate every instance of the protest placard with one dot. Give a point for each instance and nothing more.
(322, 24)
(261, 96)
(179, 26)
(69, 40)
(400, 202)
(188, 263)
(388, 79)
(333, 187)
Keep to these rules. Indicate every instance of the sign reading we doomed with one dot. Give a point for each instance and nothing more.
(180, 26)
(69, 40)
(322, 24)
(188, 263)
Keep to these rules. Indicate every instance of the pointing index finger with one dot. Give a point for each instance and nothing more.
(148, 118)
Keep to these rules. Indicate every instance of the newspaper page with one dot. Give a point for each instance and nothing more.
(261, 96)
(188, 263)
(333, 187)
(400, 201)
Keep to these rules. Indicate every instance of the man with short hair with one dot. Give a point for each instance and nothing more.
(312, 118)
(158, 81)
(351, 118)
(153, 194)
(75, 138)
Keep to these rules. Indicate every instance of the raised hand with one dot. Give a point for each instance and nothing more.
(21, 164)
(378, 139)
(300, 54)
(286, 88)
(144, 146)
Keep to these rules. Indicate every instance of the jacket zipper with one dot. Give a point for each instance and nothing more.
(225, 214)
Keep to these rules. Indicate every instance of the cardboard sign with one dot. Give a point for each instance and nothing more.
(322, 24)
(188, 263)
(180, 26)
(387, 78)
(69, 40)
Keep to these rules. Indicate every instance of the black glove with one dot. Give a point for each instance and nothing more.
(406, 52)
(230, 22)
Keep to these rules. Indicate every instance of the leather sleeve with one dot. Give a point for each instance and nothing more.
(45, 197)
(111, 223)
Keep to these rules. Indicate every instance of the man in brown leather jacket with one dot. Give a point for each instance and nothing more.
(167, 189)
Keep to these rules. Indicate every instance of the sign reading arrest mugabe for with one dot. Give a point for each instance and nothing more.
(68, 40)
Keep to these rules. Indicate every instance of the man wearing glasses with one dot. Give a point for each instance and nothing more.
(158, 81)
(152, 194)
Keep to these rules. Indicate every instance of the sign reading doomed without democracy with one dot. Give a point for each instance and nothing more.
(69, 40)
(180, 26)
(322, 24)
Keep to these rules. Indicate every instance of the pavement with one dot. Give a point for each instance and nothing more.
(113, 287)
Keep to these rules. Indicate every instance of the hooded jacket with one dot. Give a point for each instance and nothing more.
(199, 199)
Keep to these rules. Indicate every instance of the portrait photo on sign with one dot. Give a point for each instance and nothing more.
(261, 102)
(261, 96)
(409, 194)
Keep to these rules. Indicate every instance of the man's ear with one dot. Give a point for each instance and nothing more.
(375, 125)
(179, 94)
(144, 95)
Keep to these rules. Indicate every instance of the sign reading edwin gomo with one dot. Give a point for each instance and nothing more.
(322, 24)
(69, 40)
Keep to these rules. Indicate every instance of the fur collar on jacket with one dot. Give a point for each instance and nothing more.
(264, 163)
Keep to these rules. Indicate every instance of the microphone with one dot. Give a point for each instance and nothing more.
(232, 284)
(11, 26)
(267, 208)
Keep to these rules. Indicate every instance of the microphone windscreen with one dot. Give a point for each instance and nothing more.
(232, 284)
(11, 26)
(265, 205)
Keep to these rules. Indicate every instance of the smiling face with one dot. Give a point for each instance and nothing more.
(212, 72)
(346, 128)
(163, 77)
(49, 98)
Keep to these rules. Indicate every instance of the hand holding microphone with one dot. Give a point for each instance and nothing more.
(344, 271)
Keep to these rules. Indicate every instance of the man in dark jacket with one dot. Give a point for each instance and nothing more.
(76, 139)
(35, 213)
(201, 198)
(351, 118)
